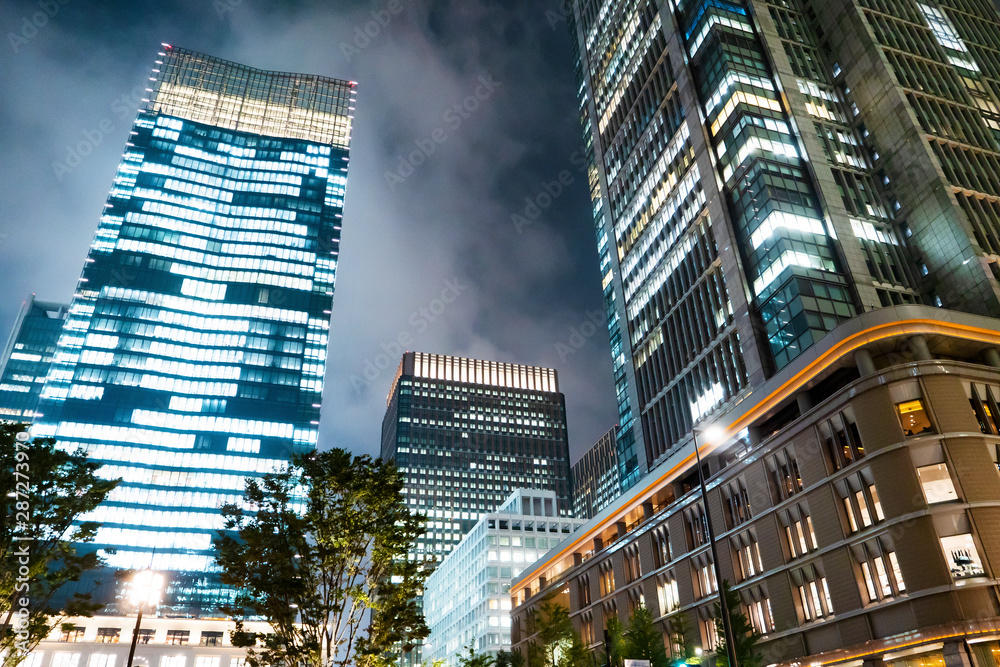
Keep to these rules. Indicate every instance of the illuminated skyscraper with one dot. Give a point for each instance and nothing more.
(194, 350)
(763, 171)
(798, 209)
(27, 356)
(465, 433)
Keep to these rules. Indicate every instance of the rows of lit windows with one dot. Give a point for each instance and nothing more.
(222, 261)
(108, 450)
(109, 514)
(132, 474)
(692, 206)
(163, 539)
(126, 559)
(173, 307)
(139, 495)
(653, 181)
(148, 381)
(213, 424)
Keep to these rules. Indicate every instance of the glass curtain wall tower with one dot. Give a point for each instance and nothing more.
(27, 357)
(194, 350)
(761, 173)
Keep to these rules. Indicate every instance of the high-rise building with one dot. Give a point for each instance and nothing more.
(193, 353)
(465, 433)
(796, 206)
(467, 597)
(763, 171)
(595, 477)
(27, 356)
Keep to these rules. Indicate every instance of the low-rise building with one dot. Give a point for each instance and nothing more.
(854, 497)
(104, 641)
(467, 598)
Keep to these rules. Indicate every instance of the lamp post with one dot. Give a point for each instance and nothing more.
(727, 626)
(146, 588)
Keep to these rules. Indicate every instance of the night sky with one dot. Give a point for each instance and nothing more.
(430, 253)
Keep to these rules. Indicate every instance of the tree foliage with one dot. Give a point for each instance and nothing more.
(643, 639)
(45, 491)
(320, 549)
(469, 658)
(558, 644)
(745, 638)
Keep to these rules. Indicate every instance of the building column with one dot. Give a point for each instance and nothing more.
(992, 357)
(920, 350)
(874, 662)
(956, 654)
(647, 510)
(621, 528)
(863, 360)
(804, 401)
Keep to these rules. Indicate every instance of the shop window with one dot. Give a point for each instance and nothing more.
(963, 557)
(108, 635)
(209, 638)
(936, 482)
(914, 418)
(72, 633)
(178, 637)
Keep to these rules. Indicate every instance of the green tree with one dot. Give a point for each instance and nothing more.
(681, 646)
(643, 639)
(472, 659)
(503, 659)
(615, 640)
(558, 644)
(745, 638)
(45, 491)
(318, 549)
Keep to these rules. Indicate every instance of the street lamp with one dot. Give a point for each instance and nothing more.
(146, 587)
(714, 433)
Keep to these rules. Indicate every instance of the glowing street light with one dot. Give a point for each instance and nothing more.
(146, 588)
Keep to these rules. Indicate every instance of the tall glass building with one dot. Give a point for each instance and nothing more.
(194, 350)
(761, 173)
(465, 433)
(797, 207)
(27, 356)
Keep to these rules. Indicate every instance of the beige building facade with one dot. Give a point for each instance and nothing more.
(855, 500)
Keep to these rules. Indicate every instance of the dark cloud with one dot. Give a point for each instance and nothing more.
(525, 294)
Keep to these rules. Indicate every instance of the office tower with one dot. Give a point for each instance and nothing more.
(27, 356)
(595, 477)
(467, 598)
(764, 171)
(193, 353)
(797, 200)
(467, 432)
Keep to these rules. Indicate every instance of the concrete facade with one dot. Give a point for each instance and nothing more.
(856, 505)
